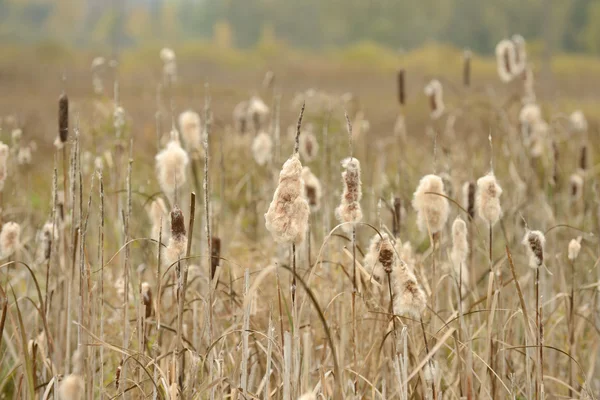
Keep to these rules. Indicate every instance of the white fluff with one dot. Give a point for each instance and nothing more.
(534, 242)
(171, 165)
(312, 189)
(487, 199)
(434, 91)
(349, 209)
(574, 248)
(520, 60)
(71, 388)
(460, 251)
(10, 238)
(505, 59)
(191, 129)
(431, 207)
(578, 121)
(262, 148)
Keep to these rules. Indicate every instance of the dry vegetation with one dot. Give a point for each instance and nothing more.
(423, 239)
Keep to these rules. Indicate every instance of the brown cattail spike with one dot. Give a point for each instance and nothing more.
(401, 87)
(215, 250)
(177, 223)
(63, 117)
(467, 68)
(471, 200)
(583, 159)
(397, 215)
(555, 155)
(386, 258)
(147, 299)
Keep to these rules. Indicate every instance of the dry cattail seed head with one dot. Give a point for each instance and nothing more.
(262, 148)
(574, 248)
(147, 299)
(215, 250)
(287, 216)
(380, 258)
(576, 186)
(309, 146)
(177, 223)
(469, 198)
(10, 237)
(520, 54)
(401, 87)
(312, 189)
(505, 59)
(434, 91)
(71, 388)
(534, 241)
(583, 158)
(487, 200)
(190, 128)
(63, 117)
(431, 205)
(349, 209)
(409, 297)
(396, 216)
(171, 165)
(578, 122)
(178, 240)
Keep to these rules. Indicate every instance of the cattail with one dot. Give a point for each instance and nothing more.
(574, 248)
(45, 237)
(430, 371)
(555, 156)
(189, 126)
(401, 87)
(24, 156)
(63, 118)
(534, 242)
(349, 209)
(10, 238)
(268, 80)
(168, 58)
(487, 200)
(467, 68)
(538, 141)
(432, 208)
(171, 165)
(460, 250)
(215, 249)
(240, 112)
(380, 258)
(448, 186)
(99, 164)
(287, 216)
(4, 153)
(434, 91)
(583, 158)
(396, 216)
(505, 59)
(262, 148)
(16, 136)
(309, 146)
(576, 185)
(469, 198)
(147, 299)
(157, 211)
(178, 240)
(578, 122)
(312, 189)
(71, 388)
(257, 113)
(409, 297)
(529, 116)
(520, 58)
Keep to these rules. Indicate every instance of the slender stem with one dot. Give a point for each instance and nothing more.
(354, 292)
(294, 274)
(571, 327)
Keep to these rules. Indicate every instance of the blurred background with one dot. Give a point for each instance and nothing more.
(562, 25)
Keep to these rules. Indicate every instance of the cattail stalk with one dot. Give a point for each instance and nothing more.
(467, 68)
(401, 87)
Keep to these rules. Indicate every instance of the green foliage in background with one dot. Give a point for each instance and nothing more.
(565, 25)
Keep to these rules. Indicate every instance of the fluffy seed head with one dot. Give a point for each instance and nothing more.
(520, 59)
(434, 91)
(178, 240)
(287, 216)
(171, 165)
(309, 146)
(505, 60)
(349, 209)
(71, 388)
(578, 121)
(487, 200)
(262, 148)
(156, 211)
(10, 237)
(190, 128)
(167, 54)
(576, 184)
(460, 246)
(574, 248)
(409, 297)
(312, 189)
(432, 209)
(381, 258)
(534, 242)
(46, 238)
(215, 249)
(4, 152)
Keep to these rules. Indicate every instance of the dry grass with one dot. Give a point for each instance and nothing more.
(240, 335)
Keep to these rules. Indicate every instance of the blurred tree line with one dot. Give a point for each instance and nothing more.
(566, 25)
